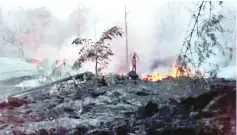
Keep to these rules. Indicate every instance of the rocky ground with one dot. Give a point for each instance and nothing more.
(170, 107)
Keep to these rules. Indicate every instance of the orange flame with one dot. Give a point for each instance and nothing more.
(174, 74)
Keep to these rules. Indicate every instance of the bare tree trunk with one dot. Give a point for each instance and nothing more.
(126, 38)
(96, 66)
(96, 70)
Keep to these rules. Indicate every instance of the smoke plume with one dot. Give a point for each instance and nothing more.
(166, 62)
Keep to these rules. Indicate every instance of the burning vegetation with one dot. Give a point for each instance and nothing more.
(175, 73)
(96, 103)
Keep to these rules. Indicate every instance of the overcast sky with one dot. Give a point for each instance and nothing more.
(62, 8)
(106, 12)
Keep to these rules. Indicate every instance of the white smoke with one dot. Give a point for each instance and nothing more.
(156, 30)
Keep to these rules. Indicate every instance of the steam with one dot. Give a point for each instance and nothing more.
(155, 31)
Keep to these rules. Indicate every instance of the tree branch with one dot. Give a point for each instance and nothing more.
(196, 21)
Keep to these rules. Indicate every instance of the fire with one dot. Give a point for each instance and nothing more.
(154, 78)
(159, 77)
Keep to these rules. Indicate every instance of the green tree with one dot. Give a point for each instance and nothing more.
(98, 51)
(202, 41)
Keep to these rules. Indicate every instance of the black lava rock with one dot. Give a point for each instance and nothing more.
(121, 130)
(116, 110)
(82, 130)
(142, 93)
(42, 132)
(99, 132)
(164, 111)
(133, 75)
(179, 131)
(102, 82)
(151, 108)
(95, 94)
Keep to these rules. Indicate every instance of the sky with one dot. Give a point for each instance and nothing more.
(104, 11)
(62, 8)
(142, 21)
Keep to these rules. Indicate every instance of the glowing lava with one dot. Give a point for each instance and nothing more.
(174, 74)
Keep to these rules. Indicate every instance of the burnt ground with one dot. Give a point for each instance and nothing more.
(170, 107)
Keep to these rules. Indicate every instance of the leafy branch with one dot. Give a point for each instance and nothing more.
(98, 51)
(206, 27)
